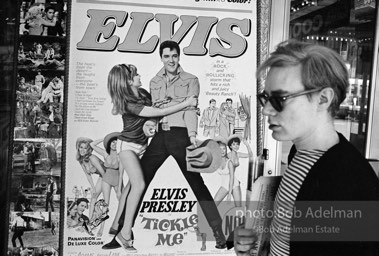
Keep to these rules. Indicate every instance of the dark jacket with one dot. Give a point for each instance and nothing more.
(341, 174)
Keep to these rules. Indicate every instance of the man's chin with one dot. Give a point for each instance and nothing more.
(279, 136)
(172, 69)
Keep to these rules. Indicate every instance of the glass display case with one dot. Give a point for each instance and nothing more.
(32, 59)
(8, 15)
(348, 27)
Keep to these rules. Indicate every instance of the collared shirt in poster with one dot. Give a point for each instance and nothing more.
(178, 88)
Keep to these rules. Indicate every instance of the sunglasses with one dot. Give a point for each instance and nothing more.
(277, 102)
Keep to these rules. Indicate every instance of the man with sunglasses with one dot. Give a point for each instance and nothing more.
(304, 87)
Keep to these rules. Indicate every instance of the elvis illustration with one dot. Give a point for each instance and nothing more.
(135, 106)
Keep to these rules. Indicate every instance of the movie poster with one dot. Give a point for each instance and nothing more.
(213, 81)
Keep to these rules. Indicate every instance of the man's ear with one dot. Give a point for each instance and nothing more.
(326, 98)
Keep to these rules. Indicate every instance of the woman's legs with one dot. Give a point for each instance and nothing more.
(131, 164)
(106, 189)
(17, 234)
(25, 161)
(236, 193)
(49, 97)
(116, 188)
(14, 237)
(44, 95)
(20, 239)
(121, 205)
(220, 195)
(94, 196)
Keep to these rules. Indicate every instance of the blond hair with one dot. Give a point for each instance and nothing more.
(321, 67)
(119, 86)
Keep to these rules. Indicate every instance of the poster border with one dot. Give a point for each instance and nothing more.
(64, 130)
(262, 51)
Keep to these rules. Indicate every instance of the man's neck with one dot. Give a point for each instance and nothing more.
(322, 137)
(170, 76)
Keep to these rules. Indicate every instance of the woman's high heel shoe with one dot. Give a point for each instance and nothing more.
(126, 244)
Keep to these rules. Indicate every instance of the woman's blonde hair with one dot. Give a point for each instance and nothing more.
(84, 158)
(120, 79)
(34, 11)
(321, 67)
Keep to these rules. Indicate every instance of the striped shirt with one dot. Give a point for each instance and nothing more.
(285, 199)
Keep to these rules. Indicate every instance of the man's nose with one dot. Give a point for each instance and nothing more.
(268, 109)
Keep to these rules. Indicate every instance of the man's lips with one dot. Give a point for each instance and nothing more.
(273, 126)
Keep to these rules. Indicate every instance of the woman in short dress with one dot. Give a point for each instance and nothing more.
(230, 185)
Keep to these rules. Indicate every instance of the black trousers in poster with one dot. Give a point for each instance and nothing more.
(18, 232)
(173, 143)
(49, 201)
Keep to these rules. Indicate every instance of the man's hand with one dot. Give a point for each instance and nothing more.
(114, 110)
(193, 141)
(149, 128)
(244, 241)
